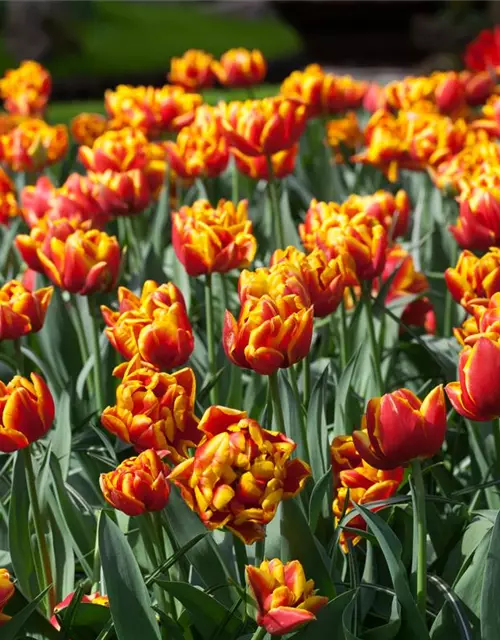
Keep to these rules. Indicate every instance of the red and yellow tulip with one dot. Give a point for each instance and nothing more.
(22, 311)
(7, 590)
(240, 68)
(85, 128)
(33, 145)
(193, 70)
(94, 598)
(26, 90)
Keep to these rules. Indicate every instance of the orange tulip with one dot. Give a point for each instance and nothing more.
(213, 240)
(257, 167)
(85, 128)
(239, 473)
(26, 412)
(283, 279)
(344, 134)
(154, 410)
(343, 455)
(26, 89)
(263, 127)
(94, 598)
(22, 311)
(474, 277)
(392, 211)
(193, 71)
(398, 427)
(285, 600)
(116, 151)
(33, 145)
(241, 68)
(7, 590)
(138, 485)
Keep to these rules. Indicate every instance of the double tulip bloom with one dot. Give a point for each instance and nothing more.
(239, 474)
(478, 225)
(154, 325)
(193, 70)
(285, 599)
(26, 90)
(154, 410)
(213, 240)
(26, 412)
(7, 590)
(399, 427)
(257, 167)
(22, 311)
(33, 145)
(85, 128)
(240, 68)
(138, 485)
(474, 277)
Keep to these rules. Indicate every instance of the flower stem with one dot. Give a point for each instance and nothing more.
(275, 208)
(306, 372)
(96, 351)
(496, 436)
(276, 400)
(235, 183)
(448, 302)
(420, 533)
(240, 551)
(96, 566)
(260, 632)
(302, 417)
(158, 558)
(366, 287)
(344, 348)
(40, 536)
(209, 310)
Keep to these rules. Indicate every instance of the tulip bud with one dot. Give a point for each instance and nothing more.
(7, 590)
(26, 412)
(122, 193)
(450, 93)
(478, 225)
(22, 311)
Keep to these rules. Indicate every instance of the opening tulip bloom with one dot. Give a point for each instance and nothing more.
(398, 427)
(26, 412)
(154, 410)
(241, 68)
(7, 590)
(213, 240)
(94, 598)
(193, 71)
(474, 277)
(156, 325)
(138, 485)
(239, 473)
(263, 127)
(33, 145)
(285, 599)
(22, 311)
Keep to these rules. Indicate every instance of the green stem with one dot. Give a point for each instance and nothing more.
(275, 208)
(240, 551)
(260, 551)
(449, 302)
(420, 534)
(496, 435)
(96, 567)
(209, 310)
(225, 292)
(366, 288)
(344, 347)
(306, 373)
(276, 400)
(74, 315)
(96, 351)
(302, 418)
(260, 632)
(157, 555)
(39, 529)
(235, 184)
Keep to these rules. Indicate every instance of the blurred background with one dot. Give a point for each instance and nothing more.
(89, 45)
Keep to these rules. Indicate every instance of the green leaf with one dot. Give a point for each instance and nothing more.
(341, 423)
(318, 496)
(19, 621)
(327, 624)
(129, 600)
(60, 434)
(490, 611)
(289, 225)
(88, 621)
(388, 630)
(316, 426)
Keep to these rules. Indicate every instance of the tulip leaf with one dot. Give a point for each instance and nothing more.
(342, 425)
(318, 495)
(327, 624)
(490, 611)
(19, 621)
(129, 600)
(390, 629)
(413, 622)
(60, 434)
(316, 426)
(289, 226)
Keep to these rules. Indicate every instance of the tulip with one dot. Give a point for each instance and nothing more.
(7, 590)
(26, 89)
(122, 193)
(26, 412)
(193, 71)
(85, 128)
(474, 277)
(8, 201)
(94, 598)
(475, 396)
(138, 485)
(269, 334)
(398, 428)
(257, 167)
(343, 455)
(35, 200)
(392, 211)
(241, 68)
(33, 145)
(213, 240)
(478, 226)
(483, 53)
(154, 410)
(239, 474)
(22, 311)
(344, 134)
(116, 151)
(450, 93)
(263, 127)
(156, 325)
(283, 278)
(478, 87)
(285, 600)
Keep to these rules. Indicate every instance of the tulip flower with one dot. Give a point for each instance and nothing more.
(343, 135)
(257, 167)
(343, 455)
(239, 473)
(483, 53)
(283, 278)
(474, 277)
(193, 71)
(269, 334)
(22, 311)
(478, 226)
(213, 240)
(26, 89)
(156, 325)
(154, 410)
(116, 151)
(285, 600)
(138, 485)
(35, 199)
(241, 68)
(94, 598)
(8, 200)
(7, 590)
(33, 145)
(26, 412)
(85, 128)
(392, 211)
(122, 193)
(398, 428)
(475, 396)
(263, 127)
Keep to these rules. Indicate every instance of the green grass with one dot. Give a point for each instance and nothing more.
(63, 112)
(143, 36)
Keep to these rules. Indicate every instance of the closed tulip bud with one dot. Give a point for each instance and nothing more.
(94, 598)
(257, 167)
(85, 128)
(7, 590)
(193, 71)
(26, 412)
(285, 599)
(33, 145)
(26, 89)
(269, 334)
(241, 68)
(156, 325)
(138, 485)
(239, 473)
(213, 240)
(154, 410)
(475, 395)
(398, 427)
(22, 311)
(450, 93)
(263, 127)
